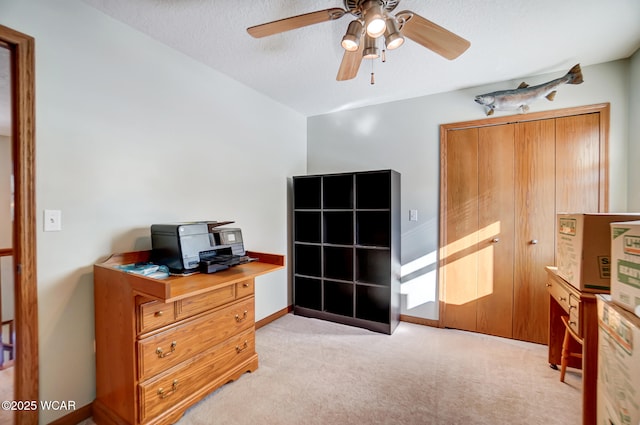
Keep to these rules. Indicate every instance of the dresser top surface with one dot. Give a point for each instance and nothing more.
(174, 287)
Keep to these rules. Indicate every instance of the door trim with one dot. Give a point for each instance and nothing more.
(24, 237)
(601, 108)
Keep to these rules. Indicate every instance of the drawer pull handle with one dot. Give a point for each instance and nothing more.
(240, 349)
(572, 306)
(246, 285)
(174, 388)
(563, 298)
(161, 354)
(572, 323)
(159, 313)
(534, 242)
(240, 319)
(495, 240)
(547, 284)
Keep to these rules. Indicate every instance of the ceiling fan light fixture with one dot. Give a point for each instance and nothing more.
(374, 19)
(370, 49)
(392, 36)
(351, 39)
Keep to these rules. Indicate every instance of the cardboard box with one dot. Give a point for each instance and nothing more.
(625, 265)
(618, 392)
(583, 249)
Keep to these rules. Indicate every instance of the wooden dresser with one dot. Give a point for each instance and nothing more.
(580, 307)
(162, 345)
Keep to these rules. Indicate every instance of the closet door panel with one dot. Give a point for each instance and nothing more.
(459, 253)
(495, 229)
(578, 163)
(535, 229)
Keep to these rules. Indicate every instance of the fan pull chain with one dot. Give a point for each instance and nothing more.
(373, 77)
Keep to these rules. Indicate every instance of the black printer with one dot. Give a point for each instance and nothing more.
(197, 246)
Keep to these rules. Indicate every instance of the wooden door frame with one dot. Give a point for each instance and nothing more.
(22, 49)
(602, 108)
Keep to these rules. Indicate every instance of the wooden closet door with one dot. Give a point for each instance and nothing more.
(495, 230)
(578, 164)
(459, 260)
(478, 255)
(560, 164)
(535, 230)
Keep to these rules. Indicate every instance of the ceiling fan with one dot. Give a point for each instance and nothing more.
(373, 21)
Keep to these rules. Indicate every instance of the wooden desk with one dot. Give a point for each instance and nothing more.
(565, 300)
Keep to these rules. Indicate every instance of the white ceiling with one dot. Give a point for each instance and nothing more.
(509, 39)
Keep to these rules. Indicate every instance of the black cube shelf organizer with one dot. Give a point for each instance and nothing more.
(346, 238)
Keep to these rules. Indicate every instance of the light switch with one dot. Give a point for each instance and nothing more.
(52, 220)
(413, 215)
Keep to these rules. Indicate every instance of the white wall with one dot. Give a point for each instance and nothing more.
(634, 134)
(404, 136)
(129, 133)
(6, 263)
(6, 172)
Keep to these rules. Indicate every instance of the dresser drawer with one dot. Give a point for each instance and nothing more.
(574, 314)
(244, 288)
(161, 393)
(199, 303)
(560, 294)
(190, 337)
(154, 314)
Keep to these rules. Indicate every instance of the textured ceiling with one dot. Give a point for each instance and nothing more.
(509, 39)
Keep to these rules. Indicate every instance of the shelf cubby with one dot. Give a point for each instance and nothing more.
(373, 266)
(337, 191)
(308, 226)
(308, 292)
(372, 228)
(372, 303)
(372, 190)
(306, 193)
(338, 227)
(338, 263)
(308, 260)
(338, 298)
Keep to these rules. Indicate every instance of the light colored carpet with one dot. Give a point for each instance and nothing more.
(317, 372)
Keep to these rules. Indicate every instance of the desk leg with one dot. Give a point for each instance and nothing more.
(556, 337)
(589, 362)
(556, 332)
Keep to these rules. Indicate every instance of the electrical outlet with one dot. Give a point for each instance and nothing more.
(413, 215)
(52, 220)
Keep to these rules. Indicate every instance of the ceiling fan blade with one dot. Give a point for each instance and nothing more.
(295, 22)
(350, 64)
(430, 35)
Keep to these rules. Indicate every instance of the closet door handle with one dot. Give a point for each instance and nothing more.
(534, 242)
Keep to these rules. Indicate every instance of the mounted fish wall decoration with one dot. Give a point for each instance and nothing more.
(520, 98)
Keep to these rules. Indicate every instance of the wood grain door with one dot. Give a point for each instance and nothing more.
(579, 164)
(535, 232)
(459, 253)
(479, 254)
(495, 229)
